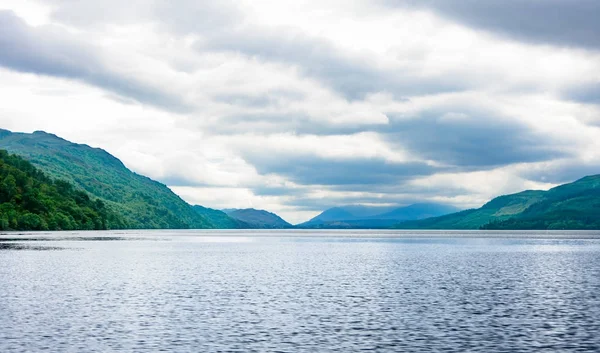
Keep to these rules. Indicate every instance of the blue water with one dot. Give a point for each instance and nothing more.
(340, 291)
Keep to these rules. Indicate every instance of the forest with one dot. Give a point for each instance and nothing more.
(30, 200)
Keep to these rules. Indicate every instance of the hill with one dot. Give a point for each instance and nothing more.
(358, 216)
(258, 218)
(143, 202)
(29, 200)
(220, 219)
(570, 206)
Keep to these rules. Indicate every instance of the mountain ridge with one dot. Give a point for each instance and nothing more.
(143, 202)
(359, 216)
(573, 205)
(258, 218)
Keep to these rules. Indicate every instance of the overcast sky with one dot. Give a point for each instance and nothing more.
(296, 106)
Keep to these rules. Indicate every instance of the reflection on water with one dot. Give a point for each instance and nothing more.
(295, 292)
(19, 246)
(27, 239)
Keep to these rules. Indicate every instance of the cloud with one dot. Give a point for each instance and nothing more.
(558, 22)
(471, 139)
(353, 75)
(180, 16)
(586, 93)
(560, 171)
(298, 106)
(309, 170)
(49, 50)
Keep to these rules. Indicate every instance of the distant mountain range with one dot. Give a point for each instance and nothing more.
(570, 206)
(120, 198)
(358, 216)
(139, 201)
(258, 218)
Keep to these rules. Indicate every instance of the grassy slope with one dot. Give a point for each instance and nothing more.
(144, 203)
(571, 206)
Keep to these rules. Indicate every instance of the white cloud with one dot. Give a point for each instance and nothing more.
(186, 92)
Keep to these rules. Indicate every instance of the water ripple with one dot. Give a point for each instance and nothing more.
(302, 295)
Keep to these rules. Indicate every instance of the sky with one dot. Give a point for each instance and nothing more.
(297, 106)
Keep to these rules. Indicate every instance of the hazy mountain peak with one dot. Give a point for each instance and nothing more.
(361, 216)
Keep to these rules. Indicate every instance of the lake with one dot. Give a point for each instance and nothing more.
(299, 291)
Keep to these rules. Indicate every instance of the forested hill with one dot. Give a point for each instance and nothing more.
(570, 206)
(258, 218)
(141, 201)
(220, 219)
(29, 200)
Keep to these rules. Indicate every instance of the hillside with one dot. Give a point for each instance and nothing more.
(258, 218)
(357, 216)
(220, 219)
(143, 203)
(29, 200)
(571, 206)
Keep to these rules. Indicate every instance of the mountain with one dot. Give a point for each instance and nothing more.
(417, 211)
(258, 218)
(141, 201)
(358, 216)
(350, 212)
(331, 215)
(29, 200)
(220, 219)
(570, 206)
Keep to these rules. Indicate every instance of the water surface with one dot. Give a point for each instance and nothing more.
(299, 291)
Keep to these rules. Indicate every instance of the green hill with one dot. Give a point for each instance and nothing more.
(258, 218)
(142, 202)
(29, 200)
(220, 219)
(571, 206)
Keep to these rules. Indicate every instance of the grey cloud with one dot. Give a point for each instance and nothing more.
(311, 170)
(562, 171)
(397, 192)
(481, 140)
(406, 188)
(394, 190)
(352, 76)
(558, 22)
(263, 100)
(318, 204)
(50, 51)
(271, 122)
(589, 94)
